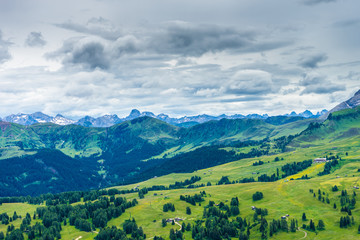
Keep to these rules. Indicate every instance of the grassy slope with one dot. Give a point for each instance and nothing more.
(281, 197)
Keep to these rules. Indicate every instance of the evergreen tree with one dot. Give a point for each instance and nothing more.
(172, 234)
(321, 225)
(292, 226)
(303, 217)
(188, 210)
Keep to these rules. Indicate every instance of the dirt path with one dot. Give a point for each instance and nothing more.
(179, 225)
(78, 238)
(303, 232)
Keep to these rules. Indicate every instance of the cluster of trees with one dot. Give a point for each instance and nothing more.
(168, 207)
(279, 225)
(224, 180)
(345, 222)
(85, 217)
(347, 203)
(184, 183)
(288, 169)
(328, 166)
(295, 167)
(321, 196)
(65, 197)
(311, 226)
(283, 141)
(257, 196)
(266, 178)
(258, 163)
(260, 212)
(176, 235)
(218, 226)
(193, 199)
(142, 192)
(129, 227)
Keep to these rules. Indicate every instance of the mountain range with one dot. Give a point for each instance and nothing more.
(110, 120)
(46, 157)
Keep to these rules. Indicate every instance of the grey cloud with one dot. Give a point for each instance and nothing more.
(319, 84)
(95, 26)
(315, 2)
(250, 82)
(182, 38)
(312, 79)
(195, 40)
(35, 39)
(347, 23)
(4, 49)
(244, 99)
(175, 40)
(88, 54)
(324, 89)
(313, 60)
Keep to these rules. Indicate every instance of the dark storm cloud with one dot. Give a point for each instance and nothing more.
(88, 55)
(315, 2)
(95, 26)
(313, 60)
(4, 49)
(35, 39)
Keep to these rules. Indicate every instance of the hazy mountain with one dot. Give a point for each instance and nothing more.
(37, 117)
(307, 114)
(110, 120)
(348, 104)
(20, 118)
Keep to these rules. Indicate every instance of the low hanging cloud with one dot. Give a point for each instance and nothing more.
(35, 39)
(312, 61)
(315, 2)
(4, 49)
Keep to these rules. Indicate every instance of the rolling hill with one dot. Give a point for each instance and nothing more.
(124, 151)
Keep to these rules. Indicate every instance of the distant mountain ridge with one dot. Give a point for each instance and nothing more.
(110, 120)
(37, 117)
(351, 103)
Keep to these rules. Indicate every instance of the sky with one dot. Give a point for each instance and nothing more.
(185, 57)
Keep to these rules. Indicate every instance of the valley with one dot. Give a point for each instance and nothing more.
(235, 179)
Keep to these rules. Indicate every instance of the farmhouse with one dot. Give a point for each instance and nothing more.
(169, 220)
(319, 160)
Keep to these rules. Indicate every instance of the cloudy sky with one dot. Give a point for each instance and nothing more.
(185, 57)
